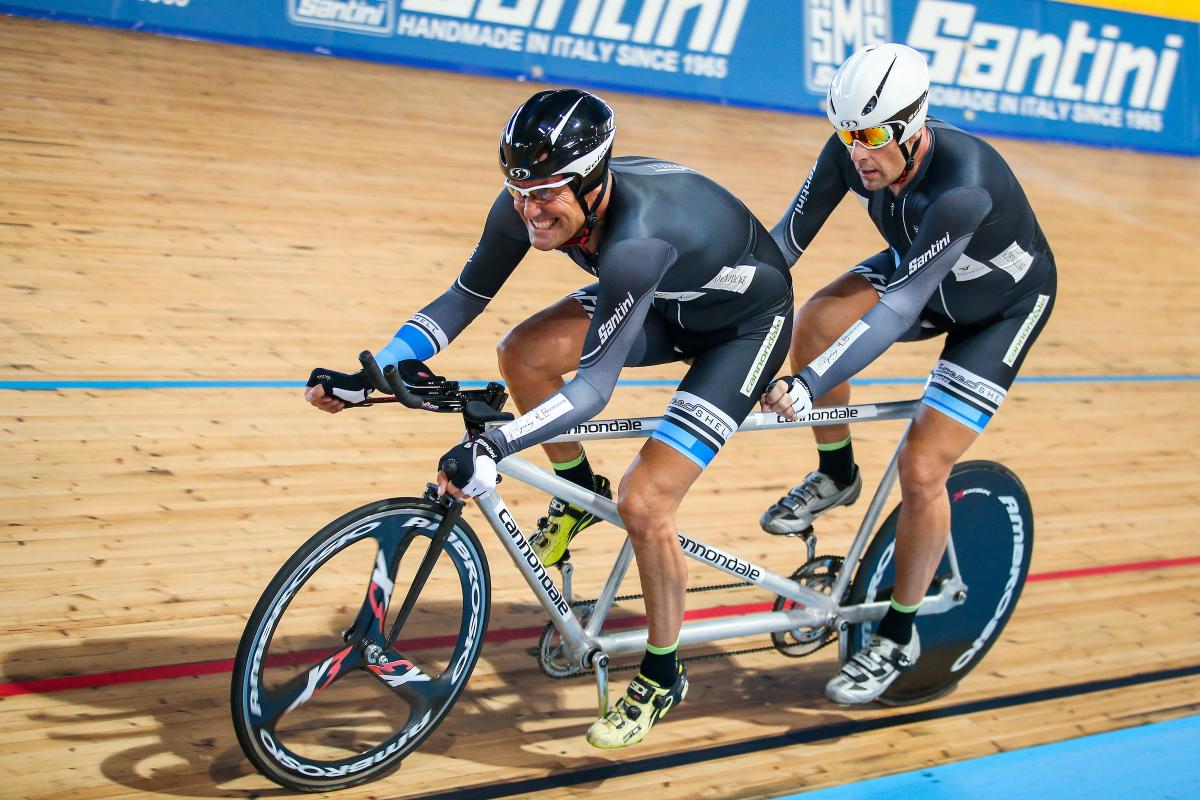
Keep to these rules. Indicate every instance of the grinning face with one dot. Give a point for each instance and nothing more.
(551, 216)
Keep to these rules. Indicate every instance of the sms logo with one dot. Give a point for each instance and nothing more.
(833, 29)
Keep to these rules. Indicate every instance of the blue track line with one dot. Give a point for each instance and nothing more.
(1158, 761)
(56, 385)
(564, 776)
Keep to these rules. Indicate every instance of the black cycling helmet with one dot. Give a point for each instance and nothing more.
(559, 132)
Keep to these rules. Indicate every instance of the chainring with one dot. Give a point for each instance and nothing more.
(818, 574)
(552, 655)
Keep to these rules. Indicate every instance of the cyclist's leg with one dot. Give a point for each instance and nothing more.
(967, 386)
(533, 358)
(934, 444)
(720, 388)
(534, 355)
(650, 493)
(818, 324)
(825, 316)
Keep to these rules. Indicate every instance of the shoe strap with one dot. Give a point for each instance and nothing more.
(641, 689)
(806, 492)
(871, 661)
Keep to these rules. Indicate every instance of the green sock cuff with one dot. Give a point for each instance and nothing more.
(833, 445)
(903, 608)
(662, 651)
(575, 462)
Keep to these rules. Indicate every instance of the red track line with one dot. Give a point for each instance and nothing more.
(197, 668)
(1137, 566)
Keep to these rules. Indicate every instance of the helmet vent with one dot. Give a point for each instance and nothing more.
(562, 123)
(870, 106)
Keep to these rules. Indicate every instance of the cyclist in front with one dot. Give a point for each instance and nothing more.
(683, 272)
(965, 258)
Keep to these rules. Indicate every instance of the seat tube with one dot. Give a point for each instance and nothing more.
(609, 592)
(874, 511)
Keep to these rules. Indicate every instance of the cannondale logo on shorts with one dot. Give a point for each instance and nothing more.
(519, 174)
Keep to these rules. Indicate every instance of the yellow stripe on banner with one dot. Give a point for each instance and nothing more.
(1188, 10)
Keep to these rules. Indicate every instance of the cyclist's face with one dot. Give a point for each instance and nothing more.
(551, 220)
(880, 167)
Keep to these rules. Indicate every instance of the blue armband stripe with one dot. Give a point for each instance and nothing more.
(408, 343)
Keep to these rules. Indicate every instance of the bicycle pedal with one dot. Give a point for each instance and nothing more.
(792, 534)
(809, 537)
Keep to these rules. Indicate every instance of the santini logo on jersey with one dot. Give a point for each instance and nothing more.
(928, 255)
(609, 327)
(667, 166)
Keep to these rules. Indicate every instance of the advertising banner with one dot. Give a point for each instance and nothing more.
(1030, 68)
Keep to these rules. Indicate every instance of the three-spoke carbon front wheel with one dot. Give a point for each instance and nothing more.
(360, 646)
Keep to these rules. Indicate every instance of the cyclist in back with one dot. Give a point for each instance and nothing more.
(965, 258)
(684, 272)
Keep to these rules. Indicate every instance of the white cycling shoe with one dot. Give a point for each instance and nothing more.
(870, 671)
(795, 511)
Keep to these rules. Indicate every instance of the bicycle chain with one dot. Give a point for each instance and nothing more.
(584, 673)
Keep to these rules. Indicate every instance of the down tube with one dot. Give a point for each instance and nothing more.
(539, 580)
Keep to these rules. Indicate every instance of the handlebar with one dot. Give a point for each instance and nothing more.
(478, 406)
(388, 380)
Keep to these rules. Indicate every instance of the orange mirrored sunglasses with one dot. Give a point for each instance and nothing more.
(870, 138)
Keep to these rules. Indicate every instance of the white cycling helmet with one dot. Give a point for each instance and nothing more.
(881, 85)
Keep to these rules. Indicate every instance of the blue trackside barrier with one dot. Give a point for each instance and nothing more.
(1029, 68)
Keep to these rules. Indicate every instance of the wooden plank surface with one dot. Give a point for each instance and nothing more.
(179, 210)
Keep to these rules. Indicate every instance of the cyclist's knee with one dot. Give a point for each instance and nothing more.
(528, 348)
(515, 345)
(548, 343)
(923, 474)
(826, 315)
(818, 320)
(641, 514)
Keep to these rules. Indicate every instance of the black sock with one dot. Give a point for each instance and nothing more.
(897, 625)
(662, 668)
(837, 461)
(578, 471)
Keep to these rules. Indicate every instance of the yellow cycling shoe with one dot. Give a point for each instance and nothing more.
(563, 523)
(644, 703)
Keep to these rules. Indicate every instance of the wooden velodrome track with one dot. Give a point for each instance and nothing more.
(175, 210)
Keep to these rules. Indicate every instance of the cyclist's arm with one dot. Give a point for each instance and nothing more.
(629, 272)
(501, 247)
(820, 193)
(946, 229)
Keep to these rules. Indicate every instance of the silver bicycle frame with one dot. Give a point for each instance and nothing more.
(591, 648)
